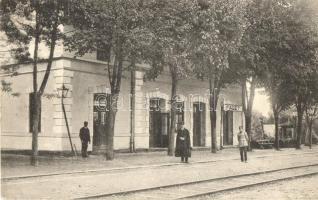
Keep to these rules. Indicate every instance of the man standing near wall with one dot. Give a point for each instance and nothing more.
(85, 139)
(183, 144)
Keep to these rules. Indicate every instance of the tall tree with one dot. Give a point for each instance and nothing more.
(33, 20)
(273, 56)
(247, 64)
(170, 28)
(311, 111)
(300, 43)
(217, 30)
(283, 43)
(280, 100)
(116, 27)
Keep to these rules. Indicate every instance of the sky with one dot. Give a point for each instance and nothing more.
(261, 102)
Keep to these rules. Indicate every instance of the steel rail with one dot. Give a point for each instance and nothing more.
(248, 185)
(128, 192)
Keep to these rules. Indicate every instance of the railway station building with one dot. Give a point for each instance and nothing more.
(86, 100)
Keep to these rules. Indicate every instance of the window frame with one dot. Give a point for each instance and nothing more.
(103, 53)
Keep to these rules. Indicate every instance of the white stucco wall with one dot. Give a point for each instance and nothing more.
(194, 91)
(84, 78)
(89, 79)
(15, 112)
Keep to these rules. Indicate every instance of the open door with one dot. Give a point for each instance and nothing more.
(199, 124)
(100, 112)
(165, 125)
(158, 124)
(227, 127)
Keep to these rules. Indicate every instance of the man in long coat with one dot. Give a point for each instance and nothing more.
(85, 139)
(183, 144)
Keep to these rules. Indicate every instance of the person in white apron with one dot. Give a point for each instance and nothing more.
(243, 143)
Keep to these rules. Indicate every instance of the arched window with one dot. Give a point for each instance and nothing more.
(179, 112)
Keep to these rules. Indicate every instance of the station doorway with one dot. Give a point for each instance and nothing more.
(100, 112)
(159, 123)
(199, 117)
(227, 128)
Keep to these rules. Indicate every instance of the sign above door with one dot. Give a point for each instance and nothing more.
(232, 107)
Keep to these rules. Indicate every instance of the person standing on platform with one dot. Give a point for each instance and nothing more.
(85, 139)
(243, 143)
(183, 144)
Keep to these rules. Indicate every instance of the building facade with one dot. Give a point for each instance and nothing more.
(87, 100)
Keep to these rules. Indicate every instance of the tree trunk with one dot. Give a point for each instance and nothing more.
(212, 102)
(213, 131)
(247, 103)
(299, 124)
(250, 111)
(309, 122)
(38, 94)
(310, 134)
(50, 60)
(276, 120)
(174, 82)
(36, 97)
(132, 112)
(311, 114)
(307, 128)
(110, 127)
(35, 127)
(248, 125)
(115, 84)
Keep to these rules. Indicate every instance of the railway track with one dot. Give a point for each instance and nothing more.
(199, 188)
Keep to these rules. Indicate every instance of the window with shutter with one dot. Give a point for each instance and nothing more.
(103, 53)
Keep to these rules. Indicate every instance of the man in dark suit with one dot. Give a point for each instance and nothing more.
(85, 139)
(183, 144)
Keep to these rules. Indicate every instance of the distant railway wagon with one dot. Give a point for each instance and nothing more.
(286, 132)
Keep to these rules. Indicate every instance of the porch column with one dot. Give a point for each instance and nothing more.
(63, 76)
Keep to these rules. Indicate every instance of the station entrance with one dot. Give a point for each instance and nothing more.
(100, 113)
(158, 124)
(227, 128)
(199, 116)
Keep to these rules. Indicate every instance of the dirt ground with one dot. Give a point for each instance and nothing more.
(149, 171)
(298, 189)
